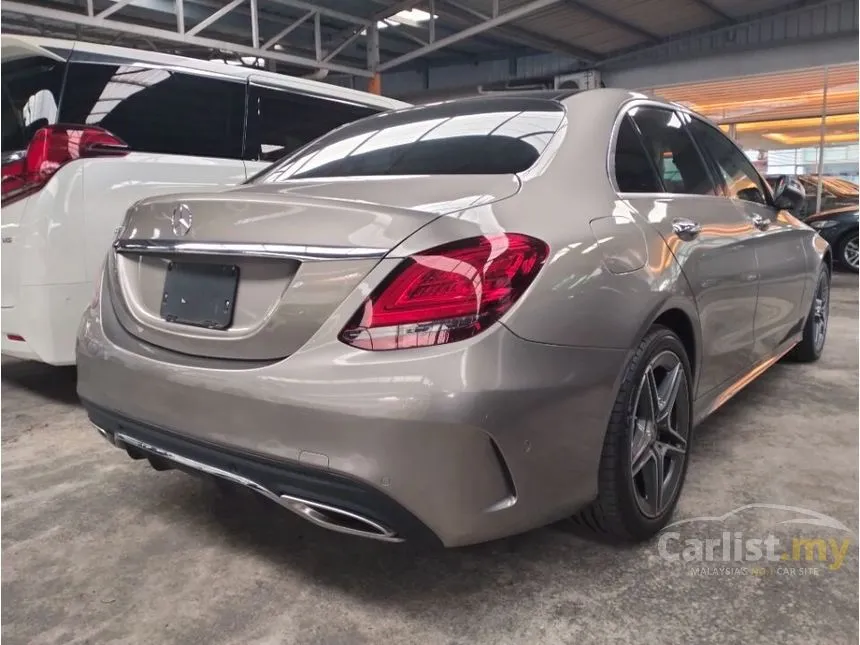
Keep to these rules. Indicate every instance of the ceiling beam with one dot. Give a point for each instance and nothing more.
(707, 4)
(346, 37)
(223, 11)
(722, 28)
(501, 19)
(612, 20)
(288, 29)
(69, 17)
(455, 11)
(323, 11)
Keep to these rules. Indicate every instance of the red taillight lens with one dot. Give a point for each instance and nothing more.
(50, 148)
(448, 293)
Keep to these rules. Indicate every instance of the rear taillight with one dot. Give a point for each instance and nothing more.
(50, 148)
(449, 293)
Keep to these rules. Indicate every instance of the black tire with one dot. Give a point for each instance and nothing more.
(811, 346)
(842, 252)
(617, 514)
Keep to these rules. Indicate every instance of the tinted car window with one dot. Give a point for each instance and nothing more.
(31, 93)
(673, 152)
(634, 172)
(158, 110)
(741, 179)
(280, 122)
(487, 136)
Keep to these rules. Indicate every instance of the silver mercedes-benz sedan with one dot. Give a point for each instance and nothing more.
(458, 321)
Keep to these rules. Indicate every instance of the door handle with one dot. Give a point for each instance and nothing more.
(761, 223)
(685, 228)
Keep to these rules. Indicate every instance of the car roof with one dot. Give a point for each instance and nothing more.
(51, 46)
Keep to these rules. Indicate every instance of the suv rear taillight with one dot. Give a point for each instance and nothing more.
(51, 148)
(448, 293)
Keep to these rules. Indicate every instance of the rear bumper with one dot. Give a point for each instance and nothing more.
(47, 317)
(476, 440)
(278, 480)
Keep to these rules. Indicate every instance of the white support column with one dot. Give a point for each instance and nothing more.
(317, 37)
(372, 48)
(180, 16)
(255, 25)
(821, 138)
(373, 59)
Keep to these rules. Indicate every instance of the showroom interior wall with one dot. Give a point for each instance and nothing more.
(803, 122)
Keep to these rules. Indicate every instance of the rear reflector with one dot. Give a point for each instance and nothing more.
(448, 293)
(51, 148)
(15, 337)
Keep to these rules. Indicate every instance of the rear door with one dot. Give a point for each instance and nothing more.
(708, 236)
(777, 241)
(184, 131)
(281, 121)
(32, 80)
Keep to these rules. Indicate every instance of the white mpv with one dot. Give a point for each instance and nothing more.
(90, 129)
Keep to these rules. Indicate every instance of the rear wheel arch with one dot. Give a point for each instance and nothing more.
(681, 317)
(827, 258)
(680, 323)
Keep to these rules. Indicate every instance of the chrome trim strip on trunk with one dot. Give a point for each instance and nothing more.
(303, 253)
(315, 512)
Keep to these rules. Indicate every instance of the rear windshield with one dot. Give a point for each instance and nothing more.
(474, 137)
(31, 92)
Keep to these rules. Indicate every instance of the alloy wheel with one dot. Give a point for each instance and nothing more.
(851, 253)
(659, 433)
(821, 311)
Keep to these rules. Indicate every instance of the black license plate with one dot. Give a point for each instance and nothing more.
(200, 295)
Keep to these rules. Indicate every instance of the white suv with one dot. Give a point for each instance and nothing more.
(90, 129)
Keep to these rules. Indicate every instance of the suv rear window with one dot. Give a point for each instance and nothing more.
(280, 122)
(31, 92)
(158, 110)
(474, 137)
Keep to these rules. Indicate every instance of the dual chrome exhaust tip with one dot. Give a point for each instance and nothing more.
(324, 515)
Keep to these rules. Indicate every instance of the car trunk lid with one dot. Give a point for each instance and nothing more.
(252, 273)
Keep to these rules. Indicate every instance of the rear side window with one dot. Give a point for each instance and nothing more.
(634, 172)
(31, 92)
(280, 122)
(479, 137)
(741, 179)
(673, 152)
(158, 110)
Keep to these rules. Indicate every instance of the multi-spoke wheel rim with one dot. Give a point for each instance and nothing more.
(659, 433)
(851, 253)
(820, 312)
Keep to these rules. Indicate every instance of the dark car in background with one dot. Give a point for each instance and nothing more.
(836, 192)
(839, 227)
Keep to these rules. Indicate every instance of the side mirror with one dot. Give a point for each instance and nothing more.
(752, 194)
(789, 194)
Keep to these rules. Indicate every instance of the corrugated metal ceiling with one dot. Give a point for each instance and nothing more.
(598, 27)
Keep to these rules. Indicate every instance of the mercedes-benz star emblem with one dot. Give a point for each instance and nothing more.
(181, 220)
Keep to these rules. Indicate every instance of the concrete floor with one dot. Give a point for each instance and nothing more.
(100, 549)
